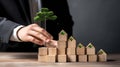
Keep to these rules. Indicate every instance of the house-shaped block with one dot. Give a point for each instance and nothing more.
(71, 42)
(80, 49)
(90, 49)
(63, 36)
(102, 56)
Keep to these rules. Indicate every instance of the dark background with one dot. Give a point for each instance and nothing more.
(98, 22)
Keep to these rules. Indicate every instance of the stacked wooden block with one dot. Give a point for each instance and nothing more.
(62, 44)
(71, 50)
(47, 54)
(68, 52)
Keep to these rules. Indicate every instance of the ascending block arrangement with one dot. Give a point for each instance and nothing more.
(51, 58)
(63, 36)
(42, 58)
(102, 56)
(61, 44)
(61, 51)
(52, 51)
(43, 51)
(80, 49)
(62, 58)
(90, 49)
(71, 58)
(71, 51)
(92, 58)
(82, 58)
(71, 42)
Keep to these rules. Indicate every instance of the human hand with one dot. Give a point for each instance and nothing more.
(35, 34)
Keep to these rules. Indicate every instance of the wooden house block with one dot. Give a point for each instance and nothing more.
(62, 58)
(42, 59)
(71, 51)
(71, 58)
(52, 51)
(61, 51)
(102, 56)
(80, 49)
(43, 51)
(82, 58)
(63, 36)
(71, 42)
(51, 58)
(90, 49)
(62, 44)
(92, 58)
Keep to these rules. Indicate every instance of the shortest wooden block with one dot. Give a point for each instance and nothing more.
(42, 51)
(52, 51)
(82, 58)
(42, 59)
(62, 58)
(71, 58)
(61, 51)
(51, 58)
(102, 56)
(71, 51)
(92, 58)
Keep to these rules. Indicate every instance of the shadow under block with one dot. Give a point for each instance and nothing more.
(80, 51)
(42, 58)
(92, 58)
(62, 44)
(90, 51)
(43, 51)
(102, 58)
(52, 51)
(71, 42)
(51, 58)
(61, 51)
(62, 58)
(71, 58)
(71, 51)
(82, 58)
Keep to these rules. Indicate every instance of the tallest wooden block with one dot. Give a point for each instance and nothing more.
(63, 36)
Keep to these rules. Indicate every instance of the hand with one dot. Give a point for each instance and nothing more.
(34, 33)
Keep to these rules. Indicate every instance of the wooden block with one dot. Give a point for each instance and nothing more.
(43, 51)
(80, 51)
(51, 58)
(42, 59)
(52, 51)
(82, 58)
(90, 49)
(102, 56)
(71, 58)
(62, 44)
(71, 42)
(61, 51)
(92, 58)
(63, 36)
(71, 51)
(62, 58)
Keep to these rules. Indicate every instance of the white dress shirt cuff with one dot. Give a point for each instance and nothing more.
(14, 36)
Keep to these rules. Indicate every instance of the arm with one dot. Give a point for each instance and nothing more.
(6, 29)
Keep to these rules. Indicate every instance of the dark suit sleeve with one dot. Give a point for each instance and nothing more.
(6, 28)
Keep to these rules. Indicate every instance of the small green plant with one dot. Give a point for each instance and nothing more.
(80, 45)
(44, 14)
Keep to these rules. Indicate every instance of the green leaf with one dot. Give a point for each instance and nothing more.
(90, 46)
(53, 17)
(36, 18)
(44, 9)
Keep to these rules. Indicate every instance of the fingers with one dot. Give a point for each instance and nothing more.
(38, 35)
(42, 31)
